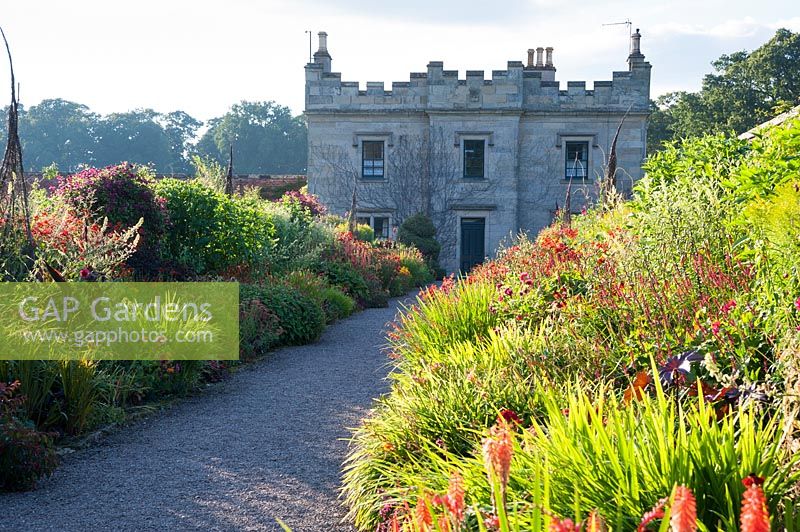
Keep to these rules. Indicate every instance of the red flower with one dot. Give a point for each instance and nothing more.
(797, 304)
(715, 327)
(85, 273)
(510, 416)
(727, 307)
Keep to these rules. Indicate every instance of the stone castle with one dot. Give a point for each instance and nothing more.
(484, 158)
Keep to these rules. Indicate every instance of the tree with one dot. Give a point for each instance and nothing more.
(181, 130)
(744, 90)
(136, 137)
(266, 138)
(58, 131)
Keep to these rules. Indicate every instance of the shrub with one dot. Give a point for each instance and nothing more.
(70, 244)
(123, 195)
(346, 276)
(418, 231)
(211, 232)
(300, 317)
(308, 202)
(26, 455)
(335, 303)
(259, 329)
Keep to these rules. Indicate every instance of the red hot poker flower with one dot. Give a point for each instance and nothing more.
(755, 514)
(683, 512)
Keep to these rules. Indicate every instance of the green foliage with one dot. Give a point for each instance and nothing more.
(773, 161)
(681, 308)
(419, 231)
(26, 455)
(363, 232)
(745, 90)
(210, 232)
(344, 275)
(587, 452)
(209, 172)
(333, 301)
(264, 135)
(300, 317)
(259, 329)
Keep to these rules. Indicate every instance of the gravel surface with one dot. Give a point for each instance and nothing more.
(266, 444)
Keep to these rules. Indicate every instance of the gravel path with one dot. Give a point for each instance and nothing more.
(266, 444)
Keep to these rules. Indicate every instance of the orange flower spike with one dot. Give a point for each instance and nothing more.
(755, 514)
(498, 451)
(422, 514)
(595, 522)
(683, 512)
(455, 497)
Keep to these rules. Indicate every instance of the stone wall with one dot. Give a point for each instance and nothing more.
(521, 113)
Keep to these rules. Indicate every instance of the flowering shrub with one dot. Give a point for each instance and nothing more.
(79, 247)
(307, 202)
(122, 194)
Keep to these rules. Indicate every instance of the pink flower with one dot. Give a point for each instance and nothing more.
(85, 273)
(715, 327)
(727, 307)
(797, 304)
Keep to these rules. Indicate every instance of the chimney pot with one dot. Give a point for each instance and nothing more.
(531, 51)
(636, 43)
(322, 56)
(539, 52)
(549, 60)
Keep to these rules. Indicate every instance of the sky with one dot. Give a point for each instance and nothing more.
(201, 57)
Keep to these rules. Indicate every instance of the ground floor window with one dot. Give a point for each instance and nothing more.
(378, 222)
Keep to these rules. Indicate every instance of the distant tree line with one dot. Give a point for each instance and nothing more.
(266, 138)
(745, 89)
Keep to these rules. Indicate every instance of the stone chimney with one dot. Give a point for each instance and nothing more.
(321, 56)
(636, 58)
(542, 65)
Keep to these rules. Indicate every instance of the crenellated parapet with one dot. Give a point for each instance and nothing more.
(520, 87)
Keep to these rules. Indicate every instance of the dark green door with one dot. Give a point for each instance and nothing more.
(473, 231)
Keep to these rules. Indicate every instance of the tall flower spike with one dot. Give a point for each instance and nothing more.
(455, 497)
(683, 511)
(497, 452)
(755, 514)
(595, 522)
(656, 513)
(422, 514)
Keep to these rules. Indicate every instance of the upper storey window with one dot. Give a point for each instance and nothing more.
(576, 163)
(474, 158)
(372, 159)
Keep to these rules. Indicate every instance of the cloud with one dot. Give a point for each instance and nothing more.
(729, 29)
(440, 13)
